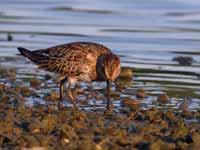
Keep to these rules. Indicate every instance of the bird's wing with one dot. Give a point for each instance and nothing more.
(71, 59)
(62, 50)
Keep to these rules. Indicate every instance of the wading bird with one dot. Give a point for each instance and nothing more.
(77, 61)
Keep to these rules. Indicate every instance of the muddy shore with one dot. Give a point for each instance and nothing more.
(129, 126)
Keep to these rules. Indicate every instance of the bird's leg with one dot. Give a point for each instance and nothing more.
(74, 93)
(61, 92)
(71, 96)
(108, 94)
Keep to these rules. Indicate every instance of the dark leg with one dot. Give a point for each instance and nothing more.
(61, 92)
(71, 96)
(74, 93)
(108, 94)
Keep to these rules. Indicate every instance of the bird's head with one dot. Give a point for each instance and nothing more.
(109, 66)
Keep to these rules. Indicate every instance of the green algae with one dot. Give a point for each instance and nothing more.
(40, 127)
(139, 70)
(24, 91)
(182, 93)
(35, 83)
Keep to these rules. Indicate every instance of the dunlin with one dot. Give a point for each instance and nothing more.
(77, 61)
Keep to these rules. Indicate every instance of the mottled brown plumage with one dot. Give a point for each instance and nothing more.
(77, 61)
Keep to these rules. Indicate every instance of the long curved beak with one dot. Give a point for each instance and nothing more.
(108, 94)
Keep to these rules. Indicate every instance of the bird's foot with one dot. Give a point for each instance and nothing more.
(60, 105)
(72, 98)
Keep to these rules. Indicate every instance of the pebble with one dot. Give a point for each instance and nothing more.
(163, 98)
(185, 61)
(52, 97)
(35, 83)
(126, 73)
(141, 93)
(130, 102)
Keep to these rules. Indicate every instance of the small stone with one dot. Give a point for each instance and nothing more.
(132, 129)
(123, 83)
(35, 83)
(196, 138)
(52, 97)
(84, 102)
(36, 130)
(184, 106)
(98, 147)
(160, 145)
(130, 102)
(108, 112)
(9, 37)
(48, 76)
(67, 132)
(79, 90)
(185, 61)
(3, 72)
(24, 91)
(114, 94)
(12, 74)
(66, 140)
(126, 73)
(163, 98)
(141, 93)
(89, 96)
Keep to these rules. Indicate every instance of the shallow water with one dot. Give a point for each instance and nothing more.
(147, 34)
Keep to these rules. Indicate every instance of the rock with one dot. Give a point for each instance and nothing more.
(187, 114)
(183, 146)
(196, 138)
(34, 126)
(12, 74)
(114, 94)
(8, 73)
(108, 113)
(123, 82)
(48, 123)
(141, 93)
(84, 102)
(3, 88)
(4, 98)
(48, 76)
(185, 61)
(66, 140)
(163, 98)
(130, 102)
(24, 91)
(180, 131)
(79, 91)
(126, 73)
(123, 142)
(161, 145)
(196, 141)
(52, 97)
(30, 141)
(35, 83)
(98, 147)
(66, 131)
(3, 72)
(132, 129)
(9, 37)
(184, 106)
(86, 145)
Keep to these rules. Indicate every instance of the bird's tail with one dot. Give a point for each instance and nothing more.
(36, 58)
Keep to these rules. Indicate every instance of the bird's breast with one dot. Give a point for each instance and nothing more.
(88, 73)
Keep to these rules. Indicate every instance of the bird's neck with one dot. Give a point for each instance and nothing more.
(100, 69)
